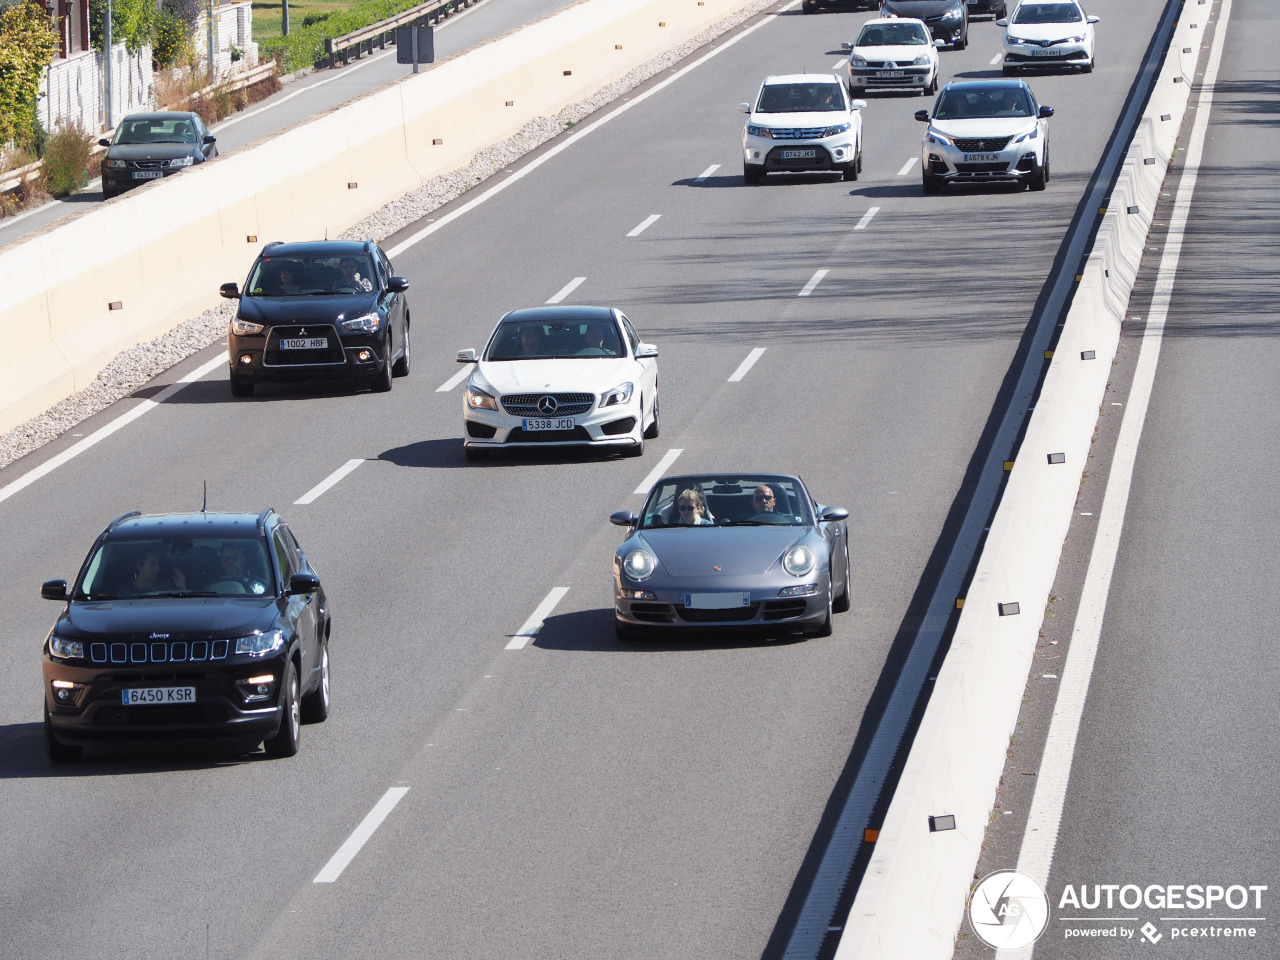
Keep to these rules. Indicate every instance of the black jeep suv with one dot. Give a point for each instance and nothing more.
(328, 308)
(187, 625)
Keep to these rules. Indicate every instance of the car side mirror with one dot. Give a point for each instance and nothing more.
(466, 356)
(858, 105)
(1045, 112)
(397, 284)
(210, 138)
(104, 142)
(646, 350)
(834, 513)
(624, 518)
(1002, 22)
(1092, 19)
(54, 590)
(922, 115)
(744, 107)
(302, 583)
(846, 46)
(230, 291)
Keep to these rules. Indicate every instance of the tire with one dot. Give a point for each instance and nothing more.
(930, 183)
(475, 453)
(651, 432)
(859, 157)
(841, 603)
(824, 629)
(1088, 67)
(56, 751)
(285, 743)
(850, 170)
(751, 175)
(382, 379)
(241, 386)
(1040, 178)
(933, 87)
(315, 705)
(401, 368)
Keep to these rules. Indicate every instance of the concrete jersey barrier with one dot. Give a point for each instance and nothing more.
(126, 271)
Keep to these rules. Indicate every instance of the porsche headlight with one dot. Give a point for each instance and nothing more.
(369, 323)
(477, 399)
(65, 649)
(260, 644)
(838, 128)
(799, 560)
(243, 328)
(619, 394)
(639, 564)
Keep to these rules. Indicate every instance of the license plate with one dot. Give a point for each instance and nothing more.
(981, 157)
(137, 695)
(717, 601)
(304, 343)
(799, 154)
(147, 174)
(889, 74)
(1045, 53)
(550, 423)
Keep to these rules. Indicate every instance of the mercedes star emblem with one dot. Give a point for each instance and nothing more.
(547, 406)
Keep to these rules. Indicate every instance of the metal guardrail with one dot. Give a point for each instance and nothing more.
(362, 41)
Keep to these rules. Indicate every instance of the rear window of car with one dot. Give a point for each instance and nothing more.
(303, 275)
(891, 35)
(553, 340)
(168, 130)
(816, 97)
(1047, 13)
(748, 500)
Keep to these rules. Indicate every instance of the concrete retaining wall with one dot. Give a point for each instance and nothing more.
(913, 896)
(161, 252)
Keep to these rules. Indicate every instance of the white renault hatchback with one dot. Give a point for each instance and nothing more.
(561, 376)
(802, 121)
(891, 53)
(1048, 33)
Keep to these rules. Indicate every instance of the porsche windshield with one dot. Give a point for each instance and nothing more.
(555, 340)
(179, 567)
(722, 501)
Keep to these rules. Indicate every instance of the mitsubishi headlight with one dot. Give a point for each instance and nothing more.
(799, 560)
(369, 323)
(243, 328)
(181, 162)
(758, 131)
(1029, 135)
(838, 128)
(619, 394)
(260, 644)
(65, 649)
(117, 164)
(933, 136)
(477, 399)
(639, 564)
(858, 60)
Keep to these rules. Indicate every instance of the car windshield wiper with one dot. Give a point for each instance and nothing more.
(185, 593)
(173, 141)
(91, 598)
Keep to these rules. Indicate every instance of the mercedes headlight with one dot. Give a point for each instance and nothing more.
(65, 649)
(799, 560)
(477, 399)
(260, 644)
(619, 394)
(639, 564)
(181, 162)
(838, 128)
(758, 131)
(243, 328)
(369, 323)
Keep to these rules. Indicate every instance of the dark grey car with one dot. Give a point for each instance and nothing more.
(149, 146)
(731, 550)
(947, 20)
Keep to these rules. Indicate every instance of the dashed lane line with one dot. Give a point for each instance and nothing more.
(456, 379)
(360, 836)
(531, 626)
(567, 289)
(867, 218)
(656, 473)
(648, 222)
(327, 482)
(813, 282)
(906, 167)
(706, 173)
(747, 364)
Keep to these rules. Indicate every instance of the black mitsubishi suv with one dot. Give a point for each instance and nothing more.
(321, 309)
(207, 626)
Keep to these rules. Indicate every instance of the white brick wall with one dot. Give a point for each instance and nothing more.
(72, 89)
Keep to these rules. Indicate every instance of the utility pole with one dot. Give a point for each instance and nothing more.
(106, 60)
(284, 18)
(210, 25)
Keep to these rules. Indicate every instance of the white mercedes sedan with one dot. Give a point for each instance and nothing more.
(561, 376)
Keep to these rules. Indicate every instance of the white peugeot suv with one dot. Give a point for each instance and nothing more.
(803, 121)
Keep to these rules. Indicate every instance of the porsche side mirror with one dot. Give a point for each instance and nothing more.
(624, 518)
(835, 513)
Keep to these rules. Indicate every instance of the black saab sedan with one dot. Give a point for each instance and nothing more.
(149, 146)
(209, 626)
(316, 310)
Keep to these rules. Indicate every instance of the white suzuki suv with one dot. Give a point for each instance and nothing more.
(802, 121)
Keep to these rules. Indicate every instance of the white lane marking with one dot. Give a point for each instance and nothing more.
(906, 167)
(866, 218)
(649, 222)
(327, 482)
(747, 364)
(456, 379)
(360, 836)
(706, 173)
(1045, 818)
(534, 623)
(996, 59)
(656, 473)
(838, 64)
(452, 215)
(813, 282)
(146, 406)
(568, 288)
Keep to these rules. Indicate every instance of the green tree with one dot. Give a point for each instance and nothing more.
(27, 43)
(133, 22)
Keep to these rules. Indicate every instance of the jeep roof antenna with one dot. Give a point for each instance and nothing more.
(205, 506)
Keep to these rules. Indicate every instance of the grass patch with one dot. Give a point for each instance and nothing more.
(304, 47)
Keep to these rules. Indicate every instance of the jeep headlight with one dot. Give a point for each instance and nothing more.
(799, 560)
(65, 649)
(619, 394)
(243, 328)
(838, 128)
(260, 644)
(369, 323)
(639, 564)
(477, 399)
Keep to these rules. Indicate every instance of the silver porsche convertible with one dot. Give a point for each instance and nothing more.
(730, 550)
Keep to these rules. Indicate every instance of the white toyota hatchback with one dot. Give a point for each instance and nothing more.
(802, 121)
(561, 376)
(1048, 33)
(891, 53)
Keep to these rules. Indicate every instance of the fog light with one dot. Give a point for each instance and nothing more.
(756, 155)
(803, 590)
(639, 595)
(246, 359)
(64, 691)
(364, 356)
(256, 688)
(840, 151)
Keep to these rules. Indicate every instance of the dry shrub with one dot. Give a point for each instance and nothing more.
(67, 159)
(263, 89)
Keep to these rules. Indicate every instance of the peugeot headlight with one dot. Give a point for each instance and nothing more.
(117, 164)
(1029, 135)
(758, 131)
(369, 323)
(933, 136)
(838, 128)
(619, 394)
(858, 60)
(639, 564)
(65, 649)
(181, 162)
(260, 644)
(799, 560)
(920, 61)
(243, 328)
(477, 399)
(955, 13)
